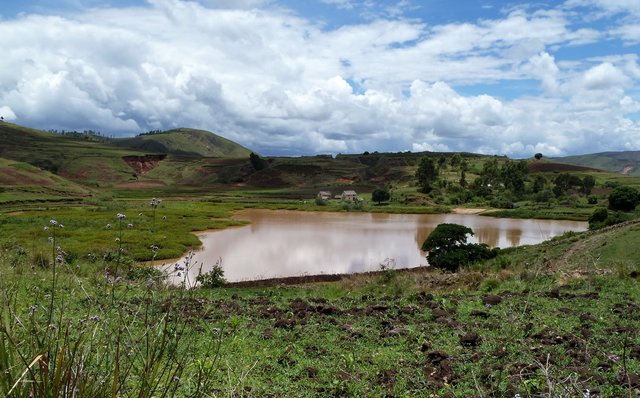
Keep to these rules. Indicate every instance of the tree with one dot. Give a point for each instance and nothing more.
(624, 198)
(588, 182)
(455, 160)
(426, 174)
(561, 184)
(448, 248)
(538, 156)
(257, 162)
(538, 183)
(490, 174)
(513, 174)
(380, 195)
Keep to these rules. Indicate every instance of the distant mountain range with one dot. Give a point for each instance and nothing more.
(625, 162)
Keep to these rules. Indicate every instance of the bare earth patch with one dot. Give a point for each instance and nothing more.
(466, 210)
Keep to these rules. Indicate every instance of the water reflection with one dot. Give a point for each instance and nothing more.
(290, 243)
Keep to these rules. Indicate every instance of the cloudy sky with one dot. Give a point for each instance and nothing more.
(291, 77)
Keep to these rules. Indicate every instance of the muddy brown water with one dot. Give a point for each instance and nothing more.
(279, 243)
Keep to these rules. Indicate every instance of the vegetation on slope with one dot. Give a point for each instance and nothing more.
(185, 142)
(626, 162)
(559, 319)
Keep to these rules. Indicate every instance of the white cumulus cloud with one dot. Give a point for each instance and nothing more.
(282, 84)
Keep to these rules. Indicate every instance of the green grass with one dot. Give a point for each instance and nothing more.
(563, 324)
(186, 141)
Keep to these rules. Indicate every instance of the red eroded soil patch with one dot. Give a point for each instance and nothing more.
(538, 167)
(143, 164)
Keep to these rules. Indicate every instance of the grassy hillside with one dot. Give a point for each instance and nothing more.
(185, 141)
(108, 163)
(626, 162)
(90, 163)
(21, 181)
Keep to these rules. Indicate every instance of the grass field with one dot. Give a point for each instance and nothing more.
(555, 320)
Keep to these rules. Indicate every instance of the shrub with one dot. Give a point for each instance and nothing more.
(448, 248)
(592, 200)
(214, 278)
(544, 196)
(598, 218)
(624, 198)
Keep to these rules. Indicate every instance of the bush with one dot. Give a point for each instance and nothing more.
(448, 248)
(501, 202)
(214, 278)
(598, 218)
(592, 200)
(544, 196)
(624, 198)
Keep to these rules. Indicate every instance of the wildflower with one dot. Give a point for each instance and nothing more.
(613, 358)
(140, 214)
(94, 318)
(164, 217)
(46, 228)
(32, 309)
(61, 225)
(178, 267)
(50, 239)
(60, 258)
(53, 222)
(120, 216)
(176, 379)
(117, 239)
(108, 226)
(154, 248)
(488, 305)
(155, 202)
(129, 225)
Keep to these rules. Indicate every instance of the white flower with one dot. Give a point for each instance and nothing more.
(46, 228)
(129, 225)
(108, 226)
(53, 222)
(120, 216)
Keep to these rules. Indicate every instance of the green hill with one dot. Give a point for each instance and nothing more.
(185, 142)
(21, 181)
(625, 162)
(97, 162)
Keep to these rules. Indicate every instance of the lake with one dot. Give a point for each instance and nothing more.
(280, 243)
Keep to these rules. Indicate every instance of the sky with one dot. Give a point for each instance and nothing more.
(290, 77)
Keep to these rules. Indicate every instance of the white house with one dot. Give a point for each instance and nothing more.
(349, 196)
(324, 195)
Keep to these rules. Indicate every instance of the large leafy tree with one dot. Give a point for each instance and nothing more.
(513, 174)
(448, 248)
(427, 174)
(380, 195)
(624, 198)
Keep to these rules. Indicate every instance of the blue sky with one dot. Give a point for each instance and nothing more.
(287, 77)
